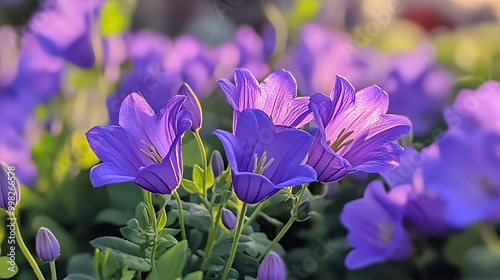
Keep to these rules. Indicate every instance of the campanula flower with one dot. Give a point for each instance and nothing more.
(47, 246)
(272, 268)
(263, 160)
(9, 187)
(462, 165)
(276, 96)
(375, 225)
(424, 209)
(417, 88)
(65, 29)
(321, 54)
(145, 148)
(160, 67)
(228, 218)
(355, 133)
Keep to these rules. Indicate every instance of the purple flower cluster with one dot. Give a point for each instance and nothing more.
(449, 185)
(417, 87)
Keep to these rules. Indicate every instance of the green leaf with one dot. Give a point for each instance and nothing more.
(233, 274)
(8, 268)
(82, 264)
(113, 216)
(171, 264)
(190, 186)
(214, 264)
(224, 246)
(123, 250)
(198, 176)
(197, 275)
(162, 220)
(116, 16)
(79, 276)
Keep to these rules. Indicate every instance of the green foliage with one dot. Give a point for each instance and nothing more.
(171, 264)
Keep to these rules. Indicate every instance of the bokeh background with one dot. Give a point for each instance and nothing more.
(421, 52)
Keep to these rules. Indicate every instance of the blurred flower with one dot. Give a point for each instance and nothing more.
(462, 165)
(262, 160)
(462, 168)
(65, 29)
(355, 133)
(145, 148)
(272, 268)
(8, 55)
(375, 225)
(418, 89)
(9, 188)
(47, 246)
(276, 96)
(321, 54)
(476, 111)
(217, 164)
(424, 209)
(160, 67)
(228, 218)
(192, 104)
(247, 50)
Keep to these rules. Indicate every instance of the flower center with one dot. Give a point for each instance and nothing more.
(154, 154)
(341, 142)
(260, 165)
(386, 230)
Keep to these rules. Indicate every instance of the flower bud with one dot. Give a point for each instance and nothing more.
(217, 163)
(47, 247)
(9, 188)
(192, 104)
(303, 210)
(272, 268)
(228, 219)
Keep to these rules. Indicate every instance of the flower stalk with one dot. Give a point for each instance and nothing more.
(237, 233)
(27, 253)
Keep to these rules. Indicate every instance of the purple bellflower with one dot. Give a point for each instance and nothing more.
(354, 134)
(272, 268)
(65, 29)
(276, 96)
(375, 225)
(262, 160)
(424, 209)
(418, 88)
(462, 165)
(322, 54)
(145, 148)
(47, 246)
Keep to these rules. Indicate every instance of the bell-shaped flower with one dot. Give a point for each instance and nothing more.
(276, 96)
(375, 225)
(145, 148)
(193, 105)
(262, 160)
(47, 246)
(355, 133)
(272, 268)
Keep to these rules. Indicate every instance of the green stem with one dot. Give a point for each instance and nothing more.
(204, 159)
(237, 233)
(214, 226)
(27, 254)
(53, 270)
(490, 237)
(277, 238)
(255, 214)
(148, 199)
(181, 219)
(287, 226)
